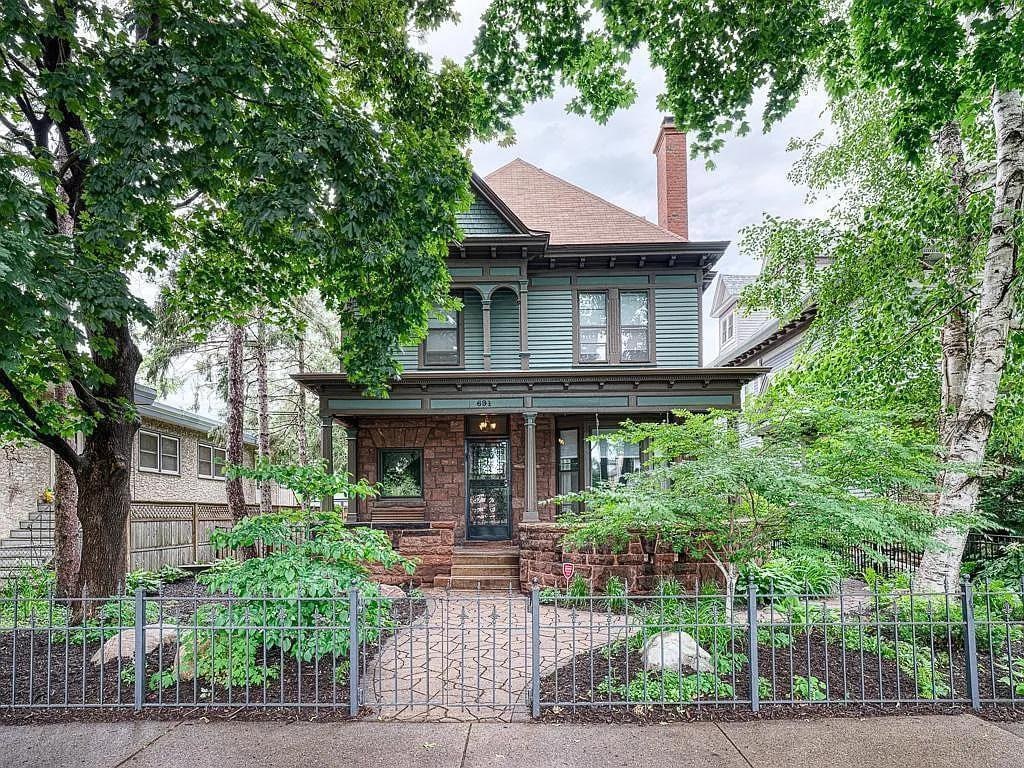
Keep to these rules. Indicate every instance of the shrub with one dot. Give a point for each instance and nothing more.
(292, 600)
(31, 590)
(1009, 566)
(808, 688)
(798, 570)
(615, 592)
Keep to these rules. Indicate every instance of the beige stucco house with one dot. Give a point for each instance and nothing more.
(178, 462)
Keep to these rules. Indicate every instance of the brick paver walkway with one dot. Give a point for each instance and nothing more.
(468, 658)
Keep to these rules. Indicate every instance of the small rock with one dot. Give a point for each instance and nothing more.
(673, 650)
(123, 644)
(391, 591)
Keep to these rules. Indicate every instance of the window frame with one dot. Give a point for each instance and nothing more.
(613, 327)
(213, 462)
(727, 322)
(460, 334)
(380, 474)
(160, 438)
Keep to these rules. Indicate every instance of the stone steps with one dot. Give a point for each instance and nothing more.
(481, 566)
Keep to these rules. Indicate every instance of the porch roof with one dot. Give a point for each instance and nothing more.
(619, 390)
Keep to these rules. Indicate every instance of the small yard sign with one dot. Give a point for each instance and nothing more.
(568, 569)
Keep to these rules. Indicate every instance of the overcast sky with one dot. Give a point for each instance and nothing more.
(615, 160)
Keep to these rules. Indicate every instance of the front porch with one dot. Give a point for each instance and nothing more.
(468, 457)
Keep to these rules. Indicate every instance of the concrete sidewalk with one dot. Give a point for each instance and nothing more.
(904, 742)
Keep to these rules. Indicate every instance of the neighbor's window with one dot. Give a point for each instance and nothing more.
(634, 327)
(593, 317)
(611, 462)
(158, 453)
(728, 327)
(400, 473)
(211, 461)
(441, 347)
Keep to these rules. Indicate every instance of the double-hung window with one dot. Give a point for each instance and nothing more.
(442, 348)
(593, 319)
(158, 453)
(211, 462)
(614, 326)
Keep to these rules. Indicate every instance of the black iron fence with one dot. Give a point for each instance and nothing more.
(503, 655)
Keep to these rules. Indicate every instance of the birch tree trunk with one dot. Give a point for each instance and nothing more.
(263, 410)
(236, 412)
(970, 427)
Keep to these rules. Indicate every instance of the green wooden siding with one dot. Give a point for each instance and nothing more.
(483, 219)
(473, 330)
(550, 329)
(409, 358)
(676, 327)
(504, 330)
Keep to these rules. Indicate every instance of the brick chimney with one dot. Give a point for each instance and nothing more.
(670, 149)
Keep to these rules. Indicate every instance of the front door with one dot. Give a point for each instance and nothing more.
(488, 492)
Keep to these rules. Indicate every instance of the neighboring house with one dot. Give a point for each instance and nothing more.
(177, 460)
(576, 315)
(754, 339)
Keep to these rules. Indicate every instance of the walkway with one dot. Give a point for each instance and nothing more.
(468, 658)
(881, 742)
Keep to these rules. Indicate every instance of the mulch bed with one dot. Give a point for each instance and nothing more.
(53, 670)
(871, 686)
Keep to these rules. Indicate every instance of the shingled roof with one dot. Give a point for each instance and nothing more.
(573, 216)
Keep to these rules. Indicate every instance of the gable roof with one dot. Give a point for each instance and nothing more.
(572, 215)
(728, 289)
(488, 215)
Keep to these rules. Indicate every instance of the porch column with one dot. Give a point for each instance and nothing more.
(486, 304)
(352, 454)
(530, 512)
(327, 454)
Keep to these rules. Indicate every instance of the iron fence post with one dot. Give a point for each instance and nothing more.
(140, 646)
(755, 698)
(353, 651)
(535, 651)
(970, 643)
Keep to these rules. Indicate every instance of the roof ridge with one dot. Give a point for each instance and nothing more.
(589, 194)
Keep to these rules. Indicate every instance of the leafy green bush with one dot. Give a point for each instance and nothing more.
(668, 686)
(1009, 566)
(293, 600)
(798, 570)
(32, 590)
(148, 580)
(808, 688)
(615, 594)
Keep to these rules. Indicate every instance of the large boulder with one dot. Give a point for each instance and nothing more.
(675, 651)
(122, 645)
(391, 591)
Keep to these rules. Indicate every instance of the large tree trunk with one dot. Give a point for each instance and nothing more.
(969, 429)
(263, 409)
(104, 472)
(67, 544)
(236, 413)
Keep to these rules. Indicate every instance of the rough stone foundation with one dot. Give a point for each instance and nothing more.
(640, 565)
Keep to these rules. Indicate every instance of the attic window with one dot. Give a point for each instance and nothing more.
(727, 327)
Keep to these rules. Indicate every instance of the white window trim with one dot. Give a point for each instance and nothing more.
(160, 437)
(213, 464)
(728, 328)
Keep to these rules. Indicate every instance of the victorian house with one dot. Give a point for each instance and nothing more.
(576, 315)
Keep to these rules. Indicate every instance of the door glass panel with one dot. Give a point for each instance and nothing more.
(611, 462)
(487, 497)
(568, 464)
